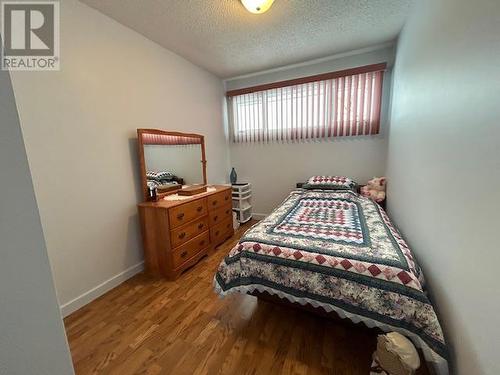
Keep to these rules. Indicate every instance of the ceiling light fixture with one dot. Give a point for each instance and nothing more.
(257, 6)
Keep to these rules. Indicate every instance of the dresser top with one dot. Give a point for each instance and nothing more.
(169, 202)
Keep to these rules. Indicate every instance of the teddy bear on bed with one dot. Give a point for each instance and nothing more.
(374, 189)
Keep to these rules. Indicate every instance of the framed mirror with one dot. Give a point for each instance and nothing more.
(170, 160)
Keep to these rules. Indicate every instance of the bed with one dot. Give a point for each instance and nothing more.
(336, 250)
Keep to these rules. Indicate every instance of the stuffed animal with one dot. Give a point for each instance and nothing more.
(395, 355)
(375, 189)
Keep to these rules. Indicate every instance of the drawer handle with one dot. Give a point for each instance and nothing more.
(226, 198)
(214, 203)
(199, 209)
(182, 235)
(202, 242)
(227, 212)
(216, 217)
(184, 253)
(228, 225)
(180, 216)
(200, 225)
(217, 233)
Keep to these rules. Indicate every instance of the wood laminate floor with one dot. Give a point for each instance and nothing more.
(151, 326)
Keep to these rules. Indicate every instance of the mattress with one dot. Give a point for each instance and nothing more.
(339, 251)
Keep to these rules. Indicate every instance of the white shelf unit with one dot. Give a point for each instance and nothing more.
(242, 201)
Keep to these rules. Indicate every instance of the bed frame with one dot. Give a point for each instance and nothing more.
(265, 296)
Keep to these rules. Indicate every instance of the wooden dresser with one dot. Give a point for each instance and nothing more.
(178, 233)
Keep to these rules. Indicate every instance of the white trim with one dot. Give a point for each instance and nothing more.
(100, 289)
(259, 216)
(315, 61)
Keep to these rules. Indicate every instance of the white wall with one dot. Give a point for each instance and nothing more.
(79, 126)
(273, 169)
(32, 338)
(444, 167)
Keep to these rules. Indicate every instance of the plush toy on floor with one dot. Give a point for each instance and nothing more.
(395, 355)
(374, 189)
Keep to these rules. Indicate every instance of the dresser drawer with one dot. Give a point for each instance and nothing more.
(190, 249)
(220, 214)
(184, 233)
(184, 213)
(219, 199)
(219, 232)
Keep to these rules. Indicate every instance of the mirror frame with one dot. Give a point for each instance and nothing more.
(142, 160)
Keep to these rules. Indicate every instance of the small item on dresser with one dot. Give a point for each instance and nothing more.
(193, 190)
(167, 188)
(374, 189)
(153, 193)
(395, 355)
(233, 176)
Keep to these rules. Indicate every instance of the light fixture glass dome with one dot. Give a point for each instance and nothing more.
(257, 6)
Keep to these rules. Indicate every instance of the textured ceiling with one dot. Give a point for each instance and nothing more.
(224, 38)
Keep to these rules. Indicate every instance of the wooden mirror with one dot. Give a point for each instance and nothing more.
(170, 160)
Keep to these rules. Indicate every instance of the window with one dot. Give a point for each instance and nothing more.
(337, 104)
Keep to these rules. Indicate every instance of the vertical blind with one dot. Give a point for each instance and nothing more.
(347, 104)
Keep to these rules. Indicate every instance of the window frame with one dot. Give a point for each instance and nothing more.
(340, 76)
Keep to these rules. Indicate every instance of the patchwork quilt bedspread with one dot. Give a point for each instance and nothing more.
(340, 251)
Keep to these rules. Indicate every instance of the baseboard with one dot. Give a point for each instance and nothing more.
(100, 289)
(259, 216)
